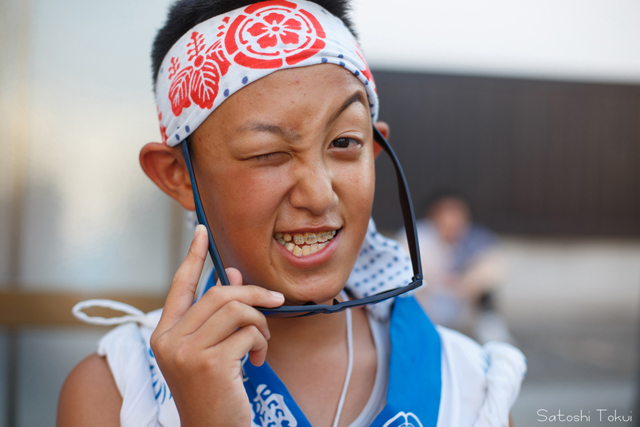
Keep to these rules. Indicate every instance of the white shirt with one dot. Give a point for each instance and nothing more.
(479, 384)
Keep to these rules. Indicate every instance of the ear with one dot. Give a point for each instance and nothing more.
(383, 127)
(165, 166)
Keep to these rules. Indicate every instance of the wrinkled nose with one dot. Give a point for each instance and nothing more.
(313, 189)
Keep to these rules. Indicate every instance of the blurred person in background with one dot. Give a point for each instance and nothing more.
(463, 267)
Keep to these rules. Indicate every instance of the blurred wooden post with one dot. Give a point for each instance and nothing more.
(19, 309)
(636, 406)
(15, 20)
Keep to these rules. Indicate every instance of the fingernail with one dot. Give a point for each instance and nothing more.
(199, 228)
(277, 295)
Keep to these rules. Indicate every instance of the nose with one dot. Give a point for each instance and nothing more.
(314, 188)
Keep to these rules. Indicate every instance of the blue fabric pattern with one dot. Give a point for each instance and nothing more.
(415, 382)
(415, 371)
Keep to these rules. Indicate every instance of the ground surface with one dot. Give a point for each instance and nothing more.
(578, 365)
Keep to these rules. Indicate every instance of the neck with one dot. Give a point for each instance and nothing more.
(295, 337)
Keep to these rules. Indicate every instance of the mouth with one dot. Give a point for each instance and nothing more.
(303, 244)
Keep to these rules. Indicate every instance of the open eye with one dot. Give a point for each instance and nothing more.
(345, 142)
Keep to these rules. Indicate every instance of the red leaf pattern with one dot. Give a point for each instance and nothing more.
(163, 129)
(216, 54)
(200, 81)
(174, 67)
(204, 85)
(195, 45)
(179, 91)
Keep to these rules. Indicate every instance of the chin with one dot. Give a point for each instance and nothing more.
(322, 292)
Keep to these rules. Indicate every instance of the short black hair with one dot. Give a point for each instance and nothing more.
(434, 198)
(186, 14)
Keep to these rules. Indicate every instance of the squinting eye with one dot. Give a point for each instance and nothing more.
(267, 156)
(344, 142)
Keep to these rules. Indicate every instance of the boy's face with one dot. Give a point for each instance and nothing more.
(451, 218)
(291, 153)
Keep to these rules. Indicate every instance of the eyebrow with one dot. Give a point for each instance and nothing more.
(356, 97)
(268, 128)
(291, 135)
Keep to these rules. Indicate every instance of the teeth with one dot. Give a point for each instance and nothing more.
(304, 244)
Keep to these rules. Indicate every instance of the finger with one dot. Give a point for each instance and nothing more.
(218, 296)
(185, 281)
(247, 339)
(234, 276)
(232, 316)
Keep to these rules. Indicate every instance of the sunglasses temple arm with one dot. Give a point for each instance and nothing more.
(202, 218)
(405, 203)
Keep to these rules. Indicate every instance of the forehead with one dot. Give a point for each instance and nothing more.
(292, 97)
(449, 205)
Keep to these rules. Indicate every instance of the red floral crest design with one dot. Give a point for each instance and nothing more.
(271, 33)
(197, 82)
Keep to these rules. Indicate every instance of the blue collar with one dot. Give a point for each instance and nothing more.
(415, 381)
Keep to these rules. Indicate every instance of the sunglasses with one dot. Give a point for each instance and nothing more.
(337, 306)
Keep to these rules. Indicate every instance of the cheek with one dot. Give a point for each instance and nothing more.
(251, 196)
(356, 193)
(359, 186)
(244, 205)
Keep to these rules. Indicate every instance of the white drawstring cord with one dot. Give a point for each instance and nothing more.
(133, 314)
(349, 367)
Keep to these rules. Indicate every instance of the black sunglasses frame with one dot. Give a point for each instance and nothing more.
(311, 309)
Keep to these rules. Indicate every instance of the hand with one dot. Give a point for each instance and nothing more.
(199, 346)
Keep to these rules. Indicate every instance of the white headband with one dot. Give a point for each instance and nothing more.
(220, 56)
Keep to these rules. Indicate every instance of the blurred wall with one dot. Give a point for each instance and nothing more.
(586, 40)
(89, 218)
(531, 157)
(76, 212)
(553, 280)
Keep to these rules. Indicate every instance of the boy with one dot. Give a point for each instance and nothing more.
(463, 265)
(278, 107)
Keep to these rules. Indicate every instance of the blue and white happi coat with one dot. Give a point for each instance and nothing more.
(413, 394)
(436, 377)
